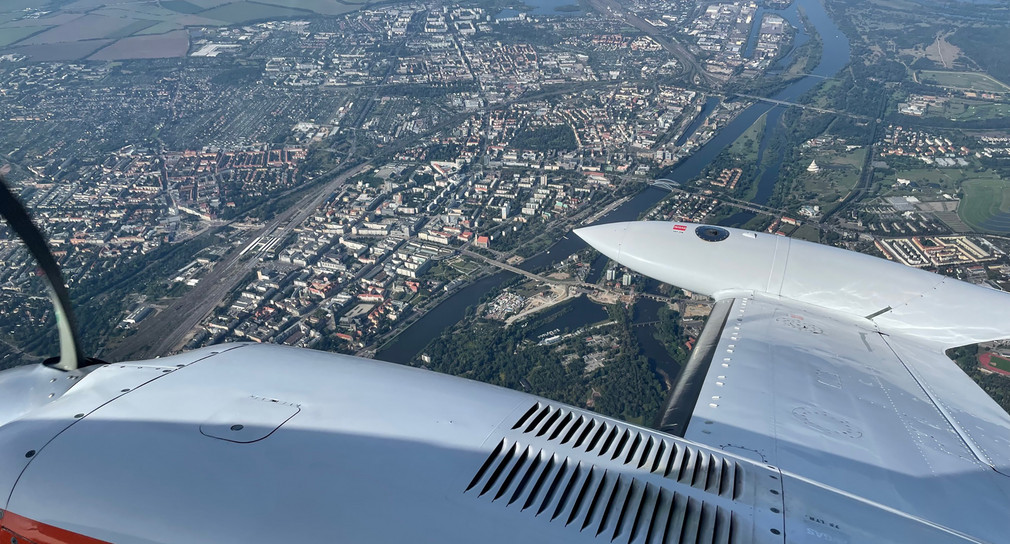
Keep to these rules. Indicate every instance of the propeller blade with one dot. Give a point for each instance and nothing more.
(17, 218)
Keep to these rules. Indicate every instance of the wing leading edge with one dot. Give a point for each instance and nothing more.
(806, 378)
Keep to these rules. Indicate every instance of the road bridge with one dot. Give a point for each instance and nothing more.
(674, 186)
(802, 106)
(527, 273)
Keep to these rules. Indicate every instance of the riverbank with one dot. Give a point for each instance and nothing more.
(836, 55)
(537, 303)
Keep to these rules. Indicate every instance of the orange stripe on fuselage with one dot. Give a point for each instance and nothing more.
(29, 531)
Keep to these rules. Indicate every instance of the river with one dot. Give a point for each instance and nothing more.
(836, 55)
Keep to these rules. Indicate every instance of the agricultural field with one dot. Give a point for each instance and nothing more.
(172, 44)
(16, 34)
(322, 7)
(241, 12)
(61, 51)
(161, 28)
(51, 20)
(986, 204)
(181, 6)
(89, 27)
(143, 29)
(131, 29)
(207, 4)
(963, 80)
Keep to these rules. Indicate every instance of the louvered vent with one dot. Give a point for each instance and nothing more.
(611, 505)
(701, 470)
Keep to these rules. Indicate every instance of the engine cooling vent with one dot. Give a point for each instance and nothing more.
(612, 505)
(643, 450)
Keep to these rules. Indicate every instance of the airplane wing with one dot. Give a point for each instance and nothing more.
(808, 419)
(830, 366)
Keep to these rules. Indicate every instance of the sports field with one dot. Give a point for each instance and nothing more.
(994, 363)
(1000, 363)
(963, 80)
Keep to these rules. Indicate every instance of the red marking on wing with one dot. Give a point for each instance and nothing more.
(29, 531)
(680, 228)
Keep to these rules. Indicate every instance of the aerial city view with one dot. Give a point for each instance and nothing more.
(400, 180)
(505, 271)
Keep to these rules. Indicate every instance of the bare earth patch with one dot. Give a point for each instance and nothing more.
(942, 51)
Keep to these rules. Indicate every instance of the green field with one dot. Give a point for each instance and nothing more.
(746, 145)
(960, 109)
(1000, 362)
(839, 174)
(14, 34)
(181, 6)
(807, 232)
(822, 96)
(131, 29)
(322, 7)
(949, 179)
(161, 28)
(962, 80)
(983, 198)
(241, 12)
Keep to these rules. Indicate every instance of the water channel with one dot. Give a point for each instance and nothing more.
(835, 56)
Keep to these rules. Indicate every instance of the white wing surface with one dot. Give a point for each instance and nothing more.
(810, 417)
(830, 366)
